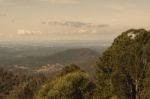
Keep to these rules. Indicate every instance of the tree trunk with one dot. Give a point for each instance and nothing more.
(136, 89)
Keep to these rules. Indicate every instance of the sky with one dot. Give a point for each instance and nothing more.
(71, 19)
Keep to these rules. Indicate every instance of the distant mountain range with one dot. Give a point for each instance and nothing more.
(83, 57)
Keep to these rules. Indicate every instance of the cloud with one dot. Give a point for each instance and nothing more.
(23, 32)
(74, 28)
(74, 24)
(69, 23)
(63, 29)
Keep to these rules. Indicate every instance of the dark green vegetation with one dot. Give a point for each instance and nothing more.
(71, 84)
(124, 68)
(123, 72)
(14, 86)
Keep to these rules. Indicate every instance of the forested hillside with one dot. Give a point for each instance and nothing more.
(18, 86)
(123, 72)
(72, 83)
(83, 57)
(124, 68)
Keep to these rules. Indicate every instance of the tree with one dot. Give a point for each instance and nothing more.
(69, 68)
(72, 85)
(7, 81)
(122, 69)
(25, 89)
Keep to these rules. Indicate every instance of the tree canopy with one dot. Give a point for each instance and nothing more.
(124, 68)
(73, 84)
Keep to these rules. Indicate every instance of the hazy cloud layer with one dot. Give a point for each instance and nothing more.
(89, 19)
(66, 28)
(23, 32)
(75, 24)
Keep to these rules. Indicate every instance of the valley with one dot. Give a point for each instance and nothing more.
(49, 58)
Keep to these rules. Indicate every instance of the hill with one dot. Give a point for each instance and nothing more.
(84, 57)
(124, 68)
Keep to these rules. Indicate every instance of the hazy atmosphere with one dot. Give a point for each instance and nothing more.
(74, 49)
(71, 19)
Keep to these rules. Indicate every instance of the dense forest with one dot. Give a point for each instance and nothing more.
(122, 72)
(124, 68)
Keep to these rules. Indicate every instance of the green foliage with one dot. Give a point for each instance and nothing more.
(26, 89)
(69, 68)
(120, 88)
(14, 86)
(122, 69)
(72, 85)
(145, 93)
(7, 81)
